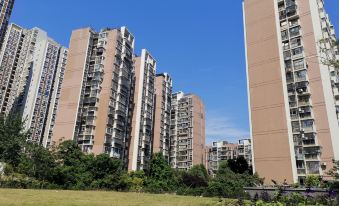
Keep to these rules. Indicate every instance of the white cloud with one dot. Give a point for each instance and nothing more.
(219, 127)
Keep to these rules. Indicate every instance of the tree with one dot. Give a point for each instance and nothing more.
(136, 181)
(37, 162)
(312, 181)
(106, 172)
(196, 177)
(12, 139)
(334, 172)
(239, 165)
(192, 182)
(161, 177)
(230, 184)
(104, 165)
(72, 169)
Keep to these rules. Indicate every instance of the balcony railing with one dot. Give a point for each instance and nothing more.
(301, 78)
(304, 103)
(307, 129)
(301, 171)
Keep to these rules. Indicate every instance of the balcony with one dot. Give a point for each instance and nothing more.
(299, 157)
(309, 143)
(307, 129)
(289, 80)
(336, 92)
(311, 157)
(302, 88)
(305, 113)
(291, 10)
(282, 15)
(293, 104)
(296, 130)
(288, 67)
(291, 89)
(301, 171)
(301, 78)
(335, 80)
(287, 55)
(294, 117)
(286, 47)
(304, 103)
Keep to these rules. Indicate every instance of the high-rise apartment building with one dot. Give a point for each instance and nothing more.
(244, 149)
(55, 96)
(30, 63)
(140, 141)
(223, 151)
(187, 131)
(218, 152)
(293, 95)
(95, 95)
(174, 128)
(6, 7)
(162, 114)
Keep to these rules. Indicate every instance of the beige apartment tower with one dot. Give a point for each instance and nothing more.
(187, 131)
(162, 114)
(140, 141)
(293, 96)
(95, 95)
(31, 73)
(218, 152)
(6, 7)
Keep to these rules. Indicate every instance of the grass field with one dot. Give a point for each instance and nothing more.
(16, 197)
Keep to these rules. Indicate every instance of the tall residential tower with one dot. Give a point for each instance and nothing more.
(293, 95)
(95, 95)
(30, 64)
(141, 138)
(6, 7)
(187, 131)
(162, 114)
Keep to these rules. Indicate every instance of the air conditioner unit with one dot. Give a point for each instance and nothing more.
(302, 130)
(300, 90)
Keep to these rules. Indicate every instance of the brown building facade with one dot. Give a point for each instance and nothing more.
(187, 131)
(162, 112)
(293, 97)
(95, 95)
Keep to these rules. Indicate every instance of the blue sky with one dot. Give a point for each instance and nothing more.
(199, 42)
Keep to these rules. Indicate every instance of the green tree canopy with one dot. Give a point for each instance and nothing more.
(239, 165)
(196, 177)
(230, 184)
(12, 139)
(161, 177)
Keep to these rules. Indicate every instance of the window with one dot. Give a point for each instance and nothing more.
(295, 42)
(307, 123)
(293, 22)
(295, 31)
(286, 46)
(297, 51)
(301, 74)
(284, 35)
(299, 64)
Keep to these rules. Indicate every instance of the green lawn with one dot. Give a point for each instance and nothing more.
(16, 197)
